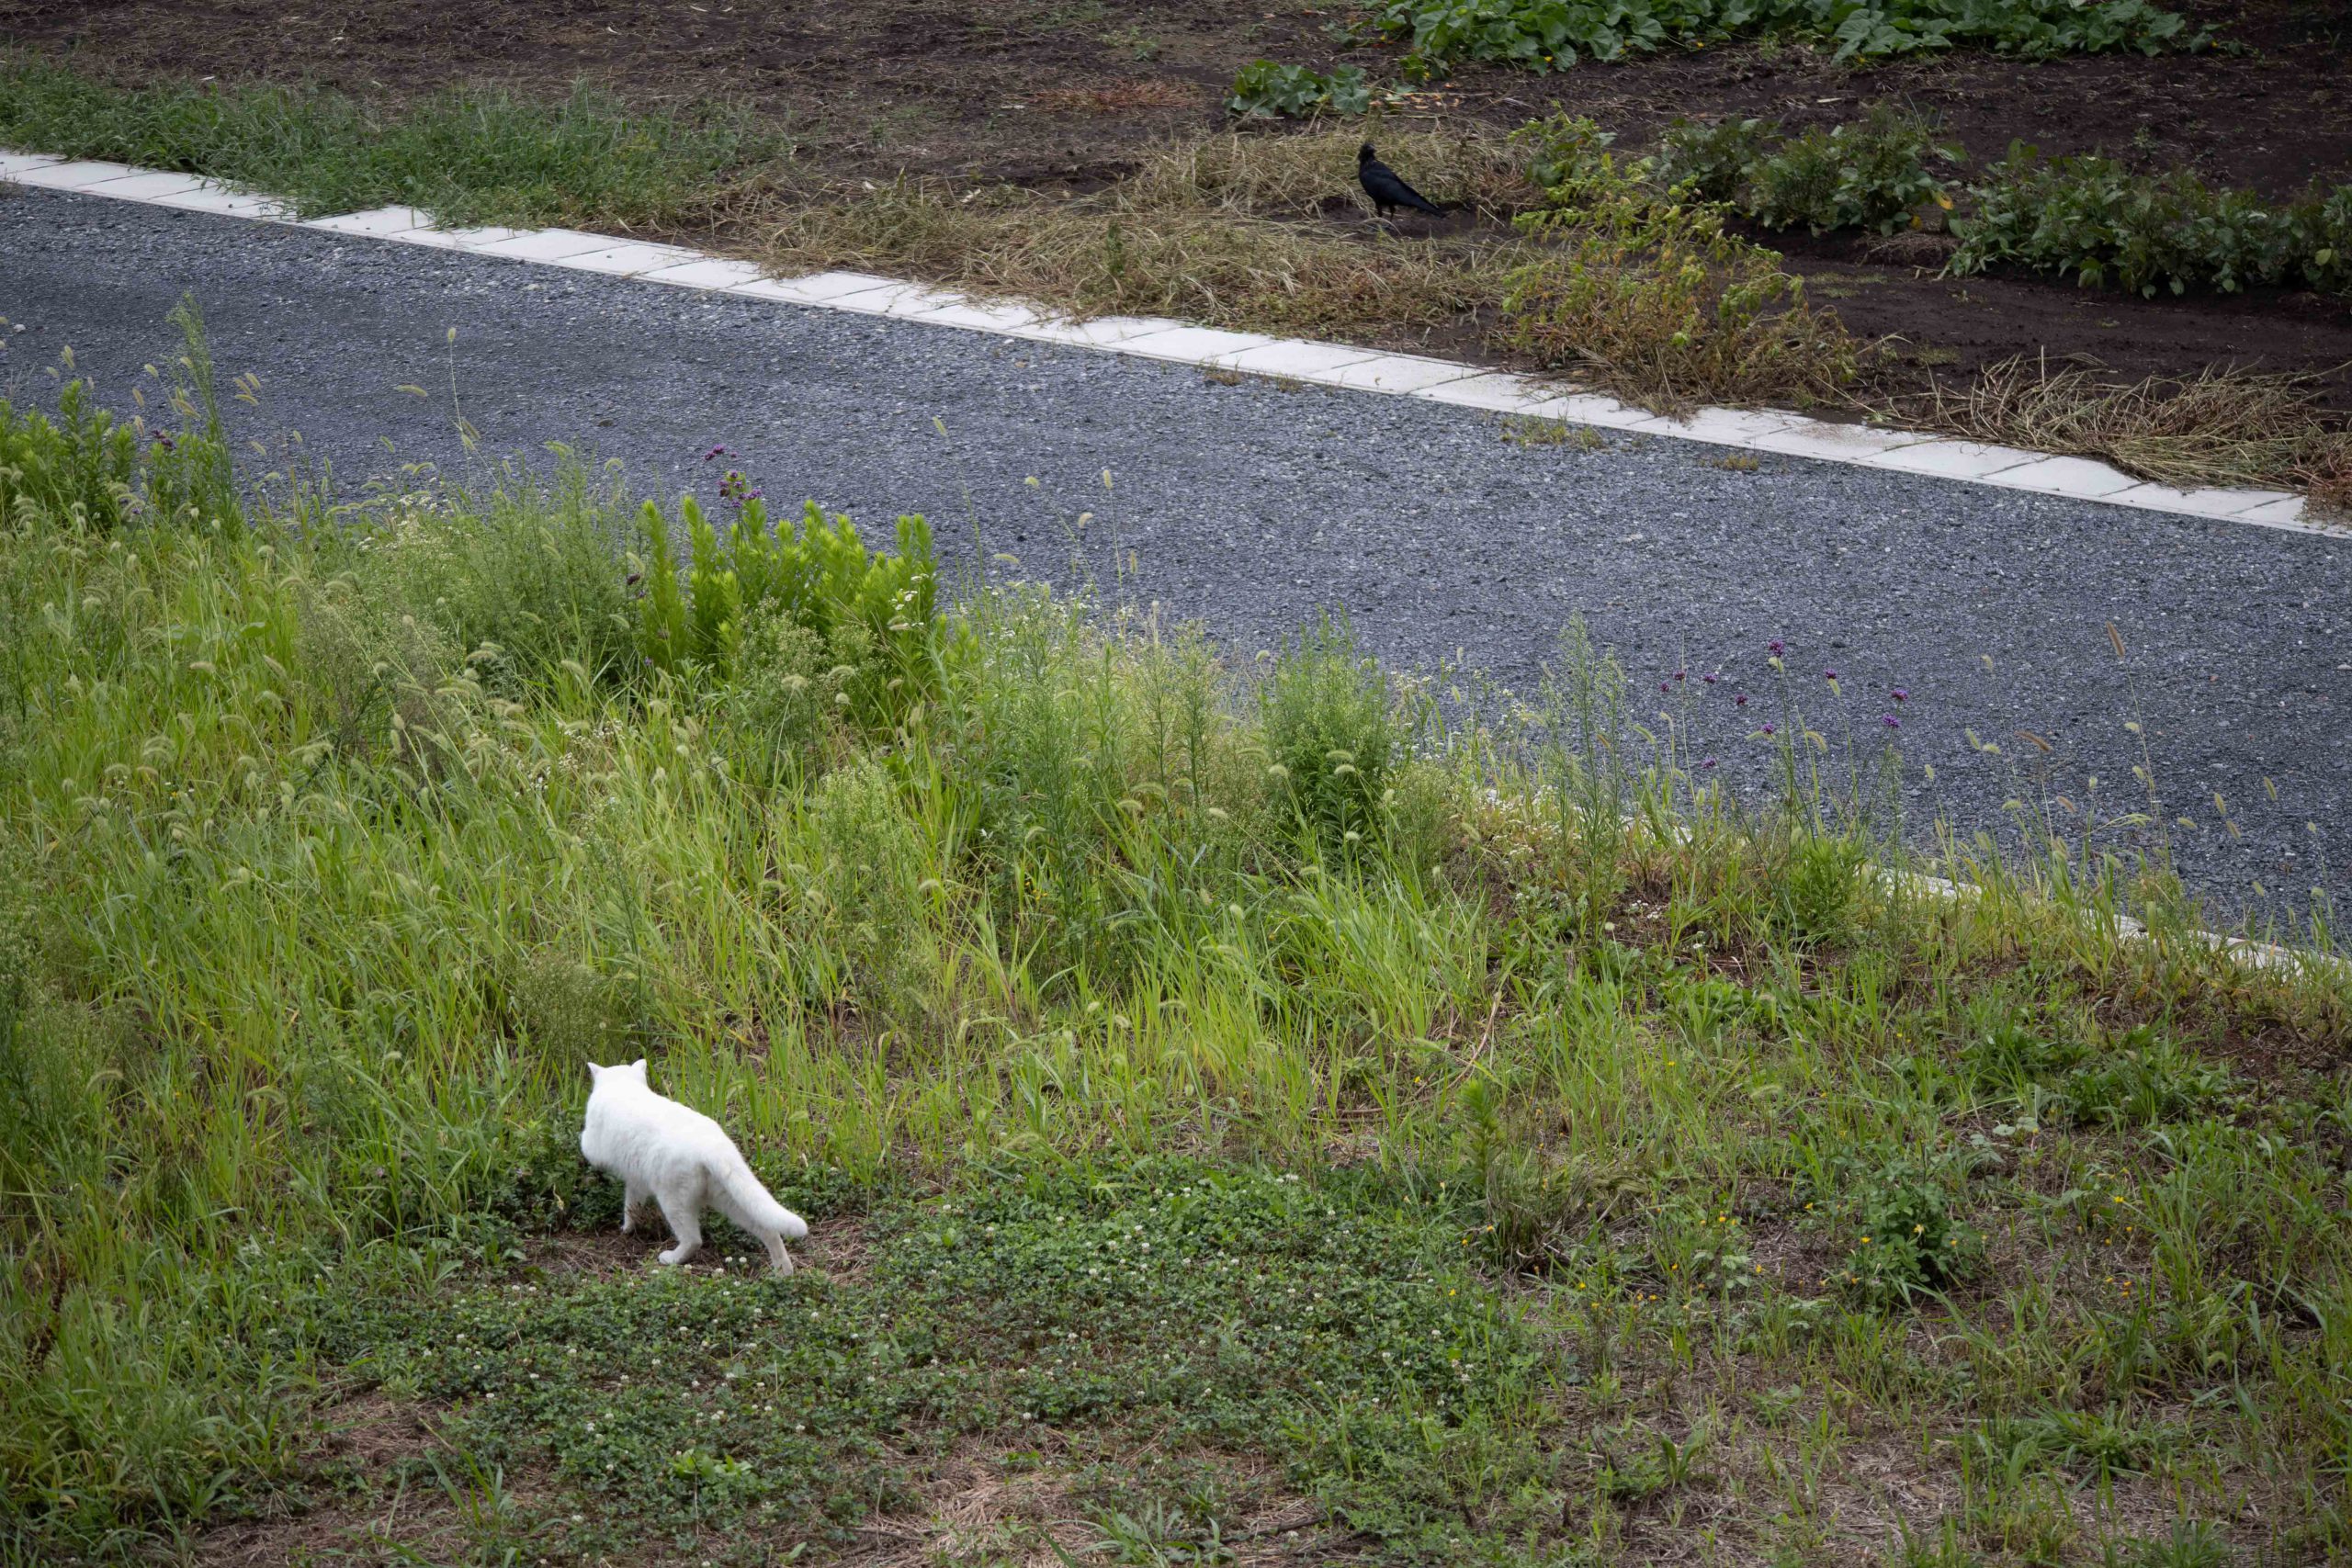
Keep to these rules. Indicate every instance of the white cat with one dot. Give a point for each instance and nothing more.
(682, 1160)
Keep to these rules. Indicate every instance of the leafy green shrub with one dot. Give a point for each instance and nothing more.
(1870, 173)
(1711, 159)
(1550, 35)
(818, 574)
(2325, 222)
(1655, 292)
(1333, 736)
(2092, 216)
(1867, 173)
(1265, 90)
(1797, 184)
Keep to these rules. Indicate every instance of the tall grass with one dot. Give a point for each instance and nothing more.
(336, 840)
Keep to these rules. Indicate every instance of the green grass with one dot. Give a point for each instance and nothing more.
(1231, 1101)
(1221, 1311)
(469, 156)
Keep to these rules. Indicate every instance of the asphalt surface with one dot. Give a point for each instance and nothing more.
(1251, 507)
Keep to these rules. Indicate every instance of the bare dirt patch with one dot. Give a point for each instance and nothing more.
(982, 1504)
(367, 1436)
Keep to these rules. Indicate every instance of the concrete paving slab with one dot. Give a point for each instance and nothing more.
(78, 174)
(376, 222)
(1396, 373)
(549, 245)
(1950, 459)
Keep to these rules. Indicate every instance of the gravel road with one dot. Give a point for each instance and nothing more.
(1249, 507)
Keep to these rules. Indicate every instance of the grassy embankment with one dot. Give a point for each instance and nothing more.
(1242, 1113)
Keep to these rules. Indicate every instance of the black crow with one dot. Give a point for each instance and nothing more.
(1387, 192)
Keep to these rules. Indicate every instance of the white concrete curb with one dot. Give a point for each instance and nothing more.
(1322, 364)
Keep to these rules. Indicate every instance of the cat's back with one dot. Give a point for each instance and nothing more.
(651, 1123)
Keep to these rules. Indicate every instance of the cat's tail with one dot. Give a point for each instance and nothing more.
(749, 1205)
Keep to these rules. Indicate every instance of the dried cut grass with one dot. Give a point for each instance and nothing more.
(1303, 175)
(2222, 426)
(1117, 97)
(973, 1507)
(1230, 231)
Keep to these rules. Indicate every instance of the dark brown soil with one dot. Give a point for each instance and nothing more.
(1060, 94)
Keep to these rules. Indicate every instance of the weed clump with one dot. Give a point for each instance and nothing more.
(1331, 734)
(1898, 1218)
(874, 614)
(1655, 294)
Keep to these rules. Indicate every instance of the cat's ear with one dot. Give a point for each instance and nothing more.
(595, 1071)
(638, 1067)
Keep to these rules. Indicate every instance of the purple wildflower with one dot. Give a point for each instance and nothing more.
(1829, 674)
(716, 452)
(1776, 648)
(1710, 678)
(1740, 700)
(1708, 763)
(1682, 674)
(1768, 729)
(1899, 695)
(1665, 685)
(1891, 722)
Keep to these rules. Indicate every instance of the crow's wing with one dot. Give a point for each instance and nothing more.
(1380, 181)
